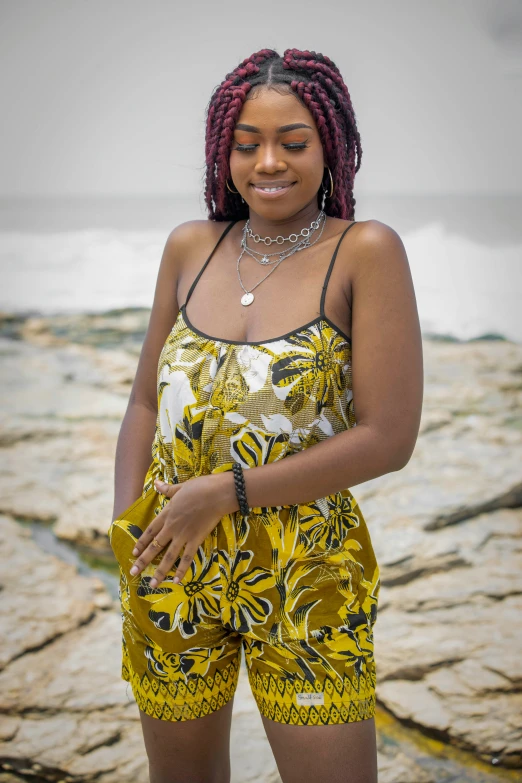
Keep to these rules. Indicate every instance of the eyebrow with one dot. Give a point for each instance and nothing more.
(282, 129)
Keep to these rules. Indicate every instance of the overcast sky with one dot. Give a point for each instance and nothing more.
(109, 96)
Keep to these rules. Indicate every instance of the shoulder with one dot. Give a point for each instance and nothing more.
(195, 231)
(377, 245)
(370, 234)
(187, 233)
(191, 239)
(372, 245)
(187, 244)
(374, 234)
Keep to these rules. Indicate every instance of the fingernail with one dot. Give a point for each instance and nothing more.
(153, 582)
(134, 570)
(135, 552)
(176, 580)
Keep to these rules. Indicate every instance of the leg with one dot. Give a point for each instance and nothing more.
(190, 751)
(182, 665)
(342, 753)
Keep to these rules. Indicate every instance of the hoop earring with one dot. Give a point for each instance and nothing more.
(331, 184)
(228, 186)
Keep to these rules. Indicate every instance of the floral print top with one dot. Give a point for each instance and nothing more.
(220, 401)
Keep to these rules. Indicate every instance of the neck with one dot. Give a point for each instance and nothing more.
(289, 224)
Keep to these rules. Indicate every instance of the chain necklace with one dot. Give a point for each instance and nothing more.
(265, 260)
(305, 232)
(248, 296)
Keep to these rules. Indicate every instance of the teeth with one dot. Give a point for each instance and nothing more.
(271, 190)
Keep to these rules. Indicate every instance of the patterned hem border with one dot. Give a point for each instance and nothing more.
(320, 715)
(326, 701)
(178, 701)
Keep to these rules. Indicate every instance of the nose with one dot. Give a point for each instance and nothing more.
(268, 161)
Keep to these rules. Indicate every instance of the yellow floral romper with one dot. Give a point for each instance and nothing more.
(296, 587)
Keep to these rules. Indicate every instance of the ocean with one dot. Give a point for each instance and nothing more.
(92, 254)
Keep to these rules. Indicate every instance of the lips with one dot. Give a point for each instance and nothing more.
(272, 183)
(282, 189)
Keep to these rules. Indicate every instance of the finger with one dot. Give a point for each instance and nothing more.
(164, 567)
(186, 560)
(150, 532)
(147, 555)
(169, 490)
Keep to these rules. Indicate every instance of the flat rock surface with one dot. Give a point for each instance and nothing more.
(447, 532)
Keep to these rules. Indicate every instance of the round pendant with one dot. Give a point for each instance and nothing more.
(247, 299)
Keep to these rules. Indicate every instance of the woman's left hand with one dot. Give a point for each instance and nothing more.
(195, 508)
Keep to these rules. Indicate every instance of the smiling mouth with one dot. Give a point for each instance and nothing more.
(272, 191)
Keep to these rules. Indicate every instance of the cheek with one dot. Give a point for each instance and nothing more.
(309, 164)
(316, 162)
(312, 173)
(240, 164)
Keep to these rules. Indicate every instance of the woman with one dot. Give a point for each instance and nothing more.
(297, 313)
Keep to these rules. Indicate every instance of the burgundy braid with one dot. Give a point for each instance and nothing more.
(224, 109)
(318, 84)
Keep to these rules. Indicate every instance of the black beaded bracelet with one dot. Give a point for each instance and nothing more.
(239, 481)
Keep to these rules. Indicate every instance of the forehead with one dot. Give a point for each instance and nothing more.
(269, 109)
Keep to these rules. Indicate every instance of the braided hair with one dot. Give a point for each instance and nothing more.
(318, 84)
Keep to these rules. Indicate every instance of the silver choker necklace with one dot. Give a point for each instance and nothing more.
(305, 232)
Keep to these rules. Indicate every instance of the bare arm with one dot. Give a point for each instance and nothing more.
(387, 374)
(133, 449)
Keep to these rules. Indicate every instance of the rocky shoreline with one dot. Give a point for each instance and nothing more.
(447, 532)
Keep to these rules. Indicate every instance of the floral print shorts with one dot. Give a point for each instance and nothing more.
(295, 587)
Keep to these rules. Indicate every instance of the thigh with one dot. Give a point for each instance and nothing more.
(342, 753)
(312, 663)
(180, 660)
(190, 751)
(311, 666)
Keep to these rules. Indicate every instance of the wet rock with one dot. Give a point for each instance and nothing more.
(399, 768)
(448, 643)
(42, 597)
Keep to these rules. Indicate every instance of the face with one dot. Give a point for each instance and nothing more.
(266, 153)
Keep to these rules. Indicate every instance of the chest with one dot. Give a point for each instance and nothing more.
(286, 297)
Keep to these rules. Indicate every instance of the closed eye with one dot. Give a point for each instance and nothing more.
(251, 147)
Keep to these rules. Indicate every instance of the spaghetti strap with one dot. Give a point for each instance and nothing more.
(223, 235)
(332, 262)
